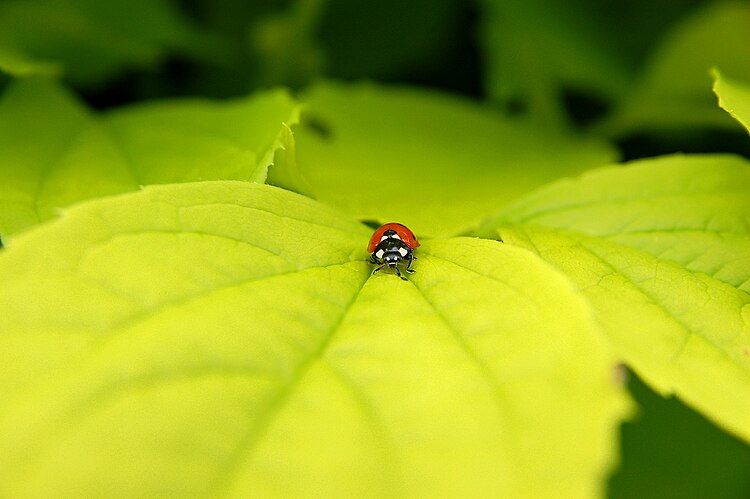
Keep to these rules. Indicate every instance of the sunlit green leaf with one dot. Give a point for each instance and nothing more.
(692, 210)
(436, 163)
(734, 98)
(674, 91)
(285, 172)
(682, 331)
(227, 339)
(54, 151)
(661, 249)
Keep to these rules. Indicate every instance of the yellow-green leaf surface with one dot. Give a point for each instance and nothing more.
(661, 248)
(734, 98)
(94, 40)
(436, 163)
(54, 151)
(691, 210)
(228, 339)
(674, 91)
(683, 332)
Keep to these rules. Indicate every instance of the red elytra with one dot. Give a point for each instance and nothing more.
(403, 232)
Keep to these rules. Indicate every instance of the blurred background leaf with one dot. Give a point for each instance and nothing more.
(670, 451)
(94, 41)
(436, 162)
(673, 90)
(19, 64)
(54, 151)
(536, 48)
(734, 97)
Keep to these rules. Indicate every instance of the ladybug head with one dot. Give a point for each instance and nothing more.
(391, 258)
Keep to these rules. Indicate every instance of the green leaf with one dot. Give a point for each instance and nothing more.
(734, 98)
(673, 91)
(661, 249)
(439, 164)
(386, 39)
(54, 152)
(94, 40)
(227, 339)
(285, 172)
(286, 46)
(691, 210)
(194, 139)
(18, 64)
(682, 331)
(351, 40)
(534, 48)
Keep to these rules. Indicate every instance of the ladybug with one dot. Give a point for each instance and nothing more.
(391, 244)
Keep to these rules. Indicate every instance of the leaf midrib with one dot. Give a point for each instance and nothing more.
(249, 443)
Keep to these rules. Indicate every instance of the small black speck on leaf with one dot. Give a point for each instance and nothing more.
(318, 126)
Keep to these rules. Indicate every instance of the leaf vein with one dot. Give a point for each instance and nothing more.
(249, 443)
(500, 399)
(688, 331)
(378, 426)
(508, 285)
(739, 193)
(195, 297)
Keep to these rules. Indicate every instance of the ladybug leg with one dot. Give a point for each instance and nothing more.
(408, 265)
(399, 274)
(378, 269)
